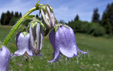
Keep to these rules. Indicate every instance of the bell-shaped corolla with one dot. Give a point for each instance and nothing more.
(63, 40)
(4, 59)
(36, 37)
(48, 17)
(23, 44)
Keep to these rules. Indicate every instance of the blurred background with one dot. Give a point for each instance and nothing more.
(91, 20)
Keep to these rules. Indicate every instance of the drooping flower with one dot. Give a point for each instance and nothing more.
(23, 44)
(48, 17)
(63, 41)
(4, 59)
(36, 37)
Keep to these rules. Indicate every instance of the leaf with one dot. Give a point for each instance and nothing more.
(56, 27)
(66, 26)
(39, 11)
(0, 44)
(29, 17)
(42, 25)
(25, 33)
(37, 3)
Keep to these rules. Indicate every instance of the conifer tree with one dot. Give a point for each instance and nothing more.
(76, 18)
(107, 19)
(95, 17)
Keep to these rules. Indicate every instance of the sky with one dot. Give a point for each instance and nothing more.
(63, 9)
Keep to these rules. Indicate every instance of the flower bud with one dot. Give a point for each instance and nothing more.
(36, 37)
(48, 17)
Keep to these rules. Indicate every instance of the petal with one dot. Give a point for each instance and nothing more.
(83, 51)
(31, 36)
(38, 37)
(52, 17)
(45, 18)
(56, 54)
(56, 57)
(41, 36)
(4, 59)
(23, 45)
(19, 53)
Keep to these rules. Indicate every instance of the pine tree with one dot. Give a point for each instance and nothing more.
(16, 14)
(76, 18)
(7, 18)
(95, 17)
(12, 15)
(20, 15)
(107, 19)
(2, 18)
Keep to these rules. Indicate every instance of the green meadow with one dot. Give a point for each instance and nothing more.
(99, 58)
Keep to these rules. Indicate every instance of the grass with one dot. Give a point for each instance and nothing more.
(99, 57)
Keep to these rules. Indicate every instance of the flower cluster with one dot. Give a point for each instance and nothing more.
(29, 42)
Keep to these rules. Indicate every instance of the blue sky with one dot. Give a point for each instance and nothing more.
(63, 9)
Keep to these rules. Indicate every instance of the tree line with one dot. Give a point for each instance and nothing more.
(9, 18)
(98, 26)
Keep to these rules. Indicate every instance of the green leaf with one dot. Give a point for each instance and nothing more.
(66, 26)
(1, 45)
(29, 17)
(56, 27)
(37, 4)
(59, 25)
(42, 25)
(25, 33)
(33, 23)
(39, 11)
(43, 7)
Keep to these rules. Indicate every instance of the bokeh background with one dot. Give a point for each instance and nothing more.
(91, 20)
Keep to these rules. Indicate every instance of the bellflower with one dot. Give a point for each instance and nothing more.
(23, 44)
(63, 41)
(48, 17)
(4, 59)
(36, 37)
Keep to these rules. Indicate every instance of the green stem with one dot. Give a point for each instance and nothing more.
(0, 44)
(16, 26)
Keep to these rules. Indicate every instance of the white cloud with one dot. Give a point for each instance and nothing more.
(64, 10)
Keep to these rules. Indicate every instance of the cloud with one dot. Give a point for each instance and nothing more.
(64, 10)
(84, 9)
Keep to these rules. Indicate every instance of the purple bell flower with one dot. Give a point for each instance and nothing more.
(63, 42)
(4, 59)
(23, 44)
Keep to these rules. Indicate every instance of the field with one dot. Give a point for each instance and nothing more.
(99, 58)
